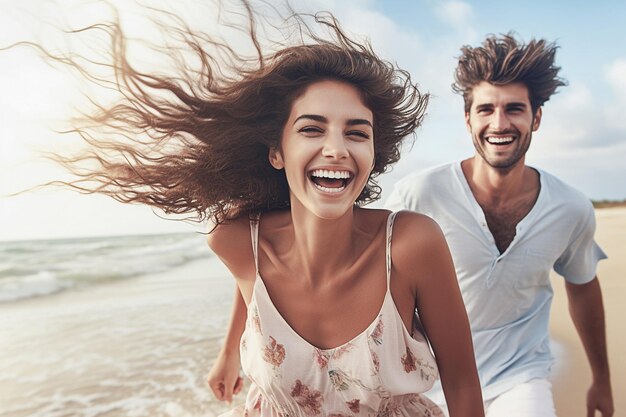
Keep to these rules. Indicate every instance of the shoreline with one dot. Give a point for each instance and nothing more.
(134, 347)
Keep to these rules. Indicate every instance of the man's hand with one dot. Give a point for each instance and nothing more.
(599, 397)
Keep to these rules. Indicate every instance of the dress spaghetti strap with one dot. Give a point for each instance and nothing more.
(390, 219)
(254, 234)
(382, 371)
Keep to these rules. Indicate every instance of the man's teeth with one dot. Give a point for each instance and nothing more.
(325, 173)
(500, 140)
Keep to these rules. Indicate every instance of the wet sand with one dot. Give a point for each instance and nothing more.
(132, 348)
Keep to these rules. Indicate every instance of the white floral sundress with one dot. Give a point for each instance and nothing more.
(379, 373)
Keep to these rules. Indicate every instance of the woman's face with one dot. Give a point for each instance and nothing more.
(327, 148)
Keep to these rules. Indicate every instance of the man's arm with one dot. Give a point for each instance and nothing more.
(587, 312)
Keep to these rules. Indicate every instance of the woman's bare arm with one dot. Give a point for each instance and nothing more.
(223, 377)
(231, 242)
(422, 258)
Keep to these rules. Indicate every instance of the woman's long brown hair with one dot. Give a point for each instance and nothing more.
(196, 141)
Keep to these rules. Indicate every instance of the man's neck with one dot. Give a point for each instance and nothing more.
(499, 188)
(505, 197)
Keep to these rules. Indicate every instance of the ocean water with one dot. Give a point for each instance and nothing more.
(114, 326)
(42, 267)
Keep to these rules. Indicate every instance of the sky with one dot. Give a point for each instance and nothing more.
(582, 138)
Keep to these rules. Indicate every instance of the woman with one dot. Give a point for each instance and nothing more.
(280, 151)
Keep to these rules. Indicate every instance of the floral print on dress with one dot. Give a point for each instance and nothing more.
(409, 361)
(339, 379)
(396, 406)
(377, 334)
(342, 381)
(362, 378)
(274, 353)
(376, 362)
(321, 358)
(430, 408)
(339, 352)
(308, 399)
(256, 320)
(427, 371)
(354, 405)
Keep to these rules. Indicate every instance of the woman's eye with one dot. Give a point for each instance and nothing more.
(311, 130)
(359, 134)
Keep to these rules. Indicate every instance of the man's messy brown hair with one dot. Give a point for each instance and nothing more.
(504, 60)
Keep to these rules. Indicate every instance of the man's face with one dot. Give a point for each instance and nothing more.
(501, 123)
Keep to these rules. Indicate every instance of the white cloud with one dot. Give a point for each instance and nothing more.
(459, 16)
(615, 114)
(456, 13)
(581, 132)
(615, 75)
(576, 121)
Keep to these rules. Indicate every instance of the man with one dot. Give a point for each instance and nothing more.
(507, 226)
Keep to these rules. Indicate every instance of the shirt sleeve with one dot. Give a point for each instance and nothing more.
(578, 263)
(396, 201)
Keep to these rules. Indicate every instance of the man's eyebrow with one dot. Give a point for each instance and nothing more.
(513, 103)
(516, 104)
(322, 119)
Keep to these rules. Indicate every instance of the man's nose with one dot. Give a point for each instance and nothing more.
(500, 121)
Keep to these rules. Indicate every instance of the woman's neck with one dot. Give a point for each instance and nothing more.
(321, 247)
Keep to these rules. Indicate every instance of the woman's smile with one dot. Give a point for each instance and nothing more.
(327, 148)
(331, 180)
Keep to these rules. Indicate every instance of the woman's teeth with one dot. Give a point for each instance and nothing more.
(330, 181)
(325, 173)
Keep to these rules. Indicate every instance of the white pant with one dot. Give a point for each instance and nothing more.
(530, 399)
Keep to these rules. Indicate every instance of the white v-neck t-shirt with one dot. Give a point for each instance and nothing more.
(508, 295)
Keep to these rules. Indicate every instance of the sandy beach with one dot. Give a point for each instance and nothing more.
(142, 346)
(571, 371)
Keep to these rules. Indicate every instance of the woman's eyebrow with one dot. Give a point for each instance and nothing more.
(322, 119)
(353, 122)
(315, 117)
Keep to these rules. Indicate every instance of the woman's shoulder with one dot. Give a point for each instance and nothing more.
(415, 236)
(231, 241)
(228, 233)
(408, 222)
(405, 223)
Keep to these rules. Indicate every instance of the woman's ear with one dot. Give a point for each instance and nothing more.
(276, 159)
